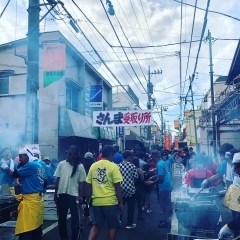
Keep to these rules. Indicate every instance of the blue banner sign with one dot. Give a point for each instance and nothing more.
(96, 95)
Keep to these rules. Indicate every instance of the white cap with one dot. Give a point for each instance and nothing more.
(228, 155)
(29, 153)
(36, 151)
(88, 155)
(236, 158)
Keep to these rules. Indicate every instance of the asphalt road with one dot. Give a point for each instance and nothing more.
(145, 230)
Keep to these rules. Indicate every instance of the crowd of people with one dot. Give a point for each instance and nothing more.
(109, 182)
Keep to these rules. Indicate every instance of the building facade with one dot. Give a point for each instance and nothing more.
(65, 116)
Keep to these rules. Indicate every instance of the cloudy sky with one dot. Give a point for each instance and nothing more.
(142, 23)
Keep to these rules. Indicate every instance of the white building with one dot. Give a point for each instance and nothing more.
(64, 112)
(225, 133)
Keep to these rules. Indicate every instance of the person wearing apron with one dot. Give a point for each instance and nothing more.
(31, 206)
(197, 175)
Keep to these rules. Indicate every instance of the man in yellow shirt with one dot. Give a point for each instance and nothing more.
(103, 186)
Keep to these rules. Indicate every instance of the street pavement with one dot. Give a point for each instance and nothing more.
(145, 230)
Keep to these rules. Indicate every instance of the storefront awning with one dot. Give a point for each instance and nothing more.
(133, 137)
(75, 124)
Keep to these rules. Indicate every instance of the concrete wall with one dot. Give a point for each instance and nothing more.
(190, 129)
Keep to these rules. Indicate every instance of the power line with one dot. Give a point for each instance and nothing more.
(97, 54)
(180, 61)
(4, 8)
(122, 48)
(134, 55)
(190, 46)
(107, 41)
(199, 47)
(177, 43)
(140, 29)
(226, 15)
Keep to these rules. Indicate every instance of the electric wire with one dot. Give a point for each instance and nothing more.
(190, 46)
(128, 40)
(180, 59)
(157, 104)
(140, 28)
(200, 44)
(107, 42)
(104, 62)
(122, 48)
(4, 9)
(106, 51)
(226, 15)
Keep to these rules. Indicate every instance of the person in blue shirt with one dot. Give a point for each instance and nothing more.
(5, 177)
(168, 158)
(51, 180)
(164, 182)
(224, 167)
(31, 206)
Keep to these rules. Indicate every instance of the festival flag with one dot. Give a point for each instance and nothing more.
(176, 124)
(54, 62)
(189, 114)
(167, 142)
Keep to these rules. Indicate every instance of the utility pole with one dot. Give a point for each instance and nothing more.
(163, 108)
(209, 38)
(194, 120)
(32, 85)
(151, 101)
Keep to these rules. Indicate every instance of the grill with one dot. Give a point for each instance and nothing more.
(197, 214)
(7, 201)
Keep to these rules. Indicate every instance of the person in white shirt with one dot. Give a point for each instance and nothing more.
(70, 175)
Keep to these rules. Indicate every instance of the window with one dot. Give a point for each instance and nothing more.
(72, 96)
(4, 85)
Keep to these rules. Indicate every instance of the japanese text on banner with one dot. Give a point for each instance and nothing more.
(122, 118)
(54, 63)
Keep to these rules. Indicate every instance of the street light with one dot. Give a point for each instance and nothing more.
(110, 8)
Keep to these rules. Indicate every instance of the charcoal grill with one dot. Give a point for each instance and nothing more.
(7, 201)
(197, 214)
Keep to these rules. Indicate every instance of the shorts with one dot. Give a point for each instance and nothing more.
(165, 199)
(109, 213)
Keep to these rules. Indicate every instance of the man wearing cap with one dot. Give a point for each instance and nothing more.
(224, 168)
(30, 209)
(47, 160)
(228, 229)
